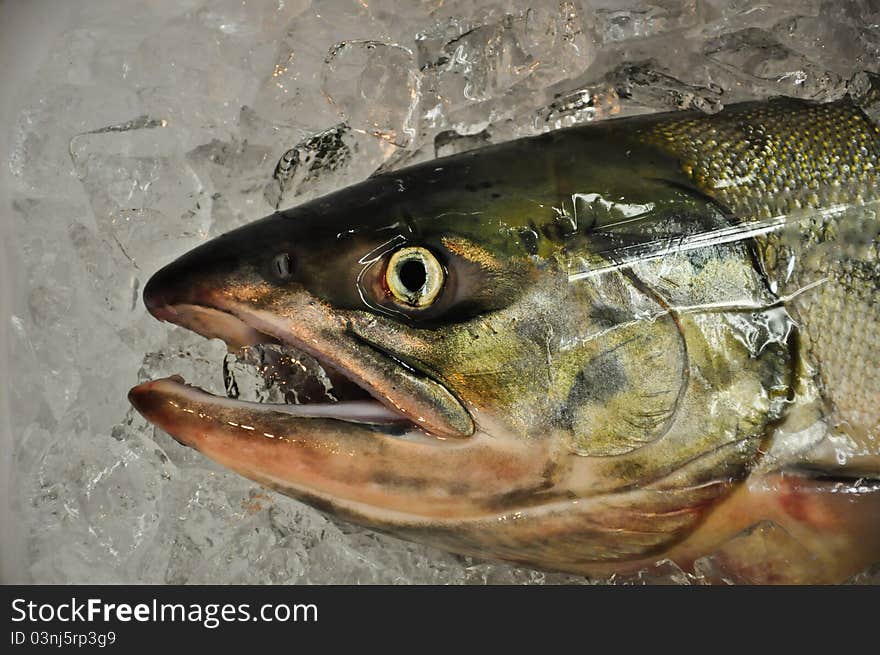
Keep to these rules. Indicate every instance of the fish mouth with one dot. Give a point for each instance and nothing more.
(395, 446)
(362, 384)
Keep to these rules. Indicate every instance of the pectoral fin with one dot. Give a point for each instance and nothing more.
(791, 528)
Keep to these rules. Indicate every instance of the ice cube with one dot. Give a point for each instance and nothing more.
(234, 173)
(323, 162)
(269, 373)
(477, 72)
(96, 501)
(754, 58)
(40, 161)
(375, 87)
(142, 191)
(621, 21)
(643, 83)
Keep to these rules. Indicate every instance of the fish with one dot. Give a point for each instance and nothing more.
(602, 349)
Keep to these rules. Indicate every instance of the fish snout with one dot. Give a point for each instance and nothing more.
(151, 400)
(156, 302)
(194, 291)
(187, 280)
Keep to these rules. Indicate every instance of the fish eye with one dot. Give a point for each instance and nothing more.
(414, 276)
(282, 265)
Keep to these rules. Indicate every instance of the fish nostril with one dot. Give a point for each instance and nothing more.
(282, 266)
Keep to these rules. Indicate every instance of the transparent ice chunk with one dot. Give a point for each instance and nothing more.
(375, 87)
(622, 21)
(646, 84)
(756, 58)
(39, 161)
(233, 174)
(471, 72)
(142, 191)
(268, 373)
(323, 162)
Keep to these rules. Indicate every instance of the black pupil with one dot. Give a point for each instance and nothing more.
(412, 274)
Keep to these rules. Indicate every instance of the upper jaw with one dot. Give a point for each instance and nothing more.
(310, 326)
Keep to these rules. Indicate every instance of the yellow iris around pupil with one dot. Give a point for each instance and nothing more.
(414, 276)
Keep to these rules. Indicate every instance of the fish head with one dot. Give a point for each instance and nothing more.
(510, 387)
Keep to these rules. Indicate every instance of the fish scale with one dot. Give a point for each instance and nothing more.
(817, 166)
(776, 158)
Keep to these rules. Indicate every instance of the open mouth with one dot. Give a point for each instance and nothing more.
(290, 381)
(286, 376)
(332, 418)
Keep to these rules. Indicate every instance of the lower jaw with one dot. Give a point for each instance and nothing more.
(348, 466)
(364, 412)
